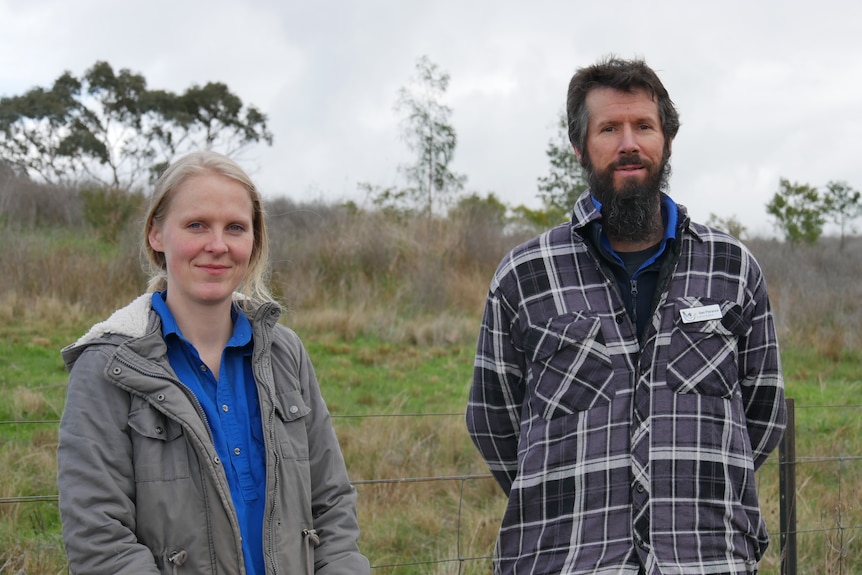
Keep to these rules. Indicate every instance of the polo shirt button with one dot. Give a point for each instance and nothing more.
(236, 451)
(225, 408)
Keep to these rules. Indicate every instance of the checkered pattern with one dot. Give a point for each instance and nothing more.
(615, 454)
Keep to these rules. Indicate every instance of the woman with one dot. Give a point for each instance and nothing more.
(194, 438)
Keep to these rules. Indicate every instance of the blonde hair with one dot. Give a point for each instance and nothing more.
(200, 163)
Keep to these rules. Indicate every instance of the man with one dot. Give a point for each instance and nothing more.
(627, 382)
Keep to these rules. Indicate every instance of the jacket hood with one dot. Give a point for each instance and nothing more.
(128, 322)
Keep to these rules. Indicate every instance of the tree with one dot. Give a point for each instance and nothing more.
(428, 133)
(842, 204)
(561, 188)
(730, 224)
(108, 128)
(798, 212)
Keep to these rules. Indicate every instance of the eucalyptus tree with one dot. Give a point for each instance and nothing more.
(798, 212)
(565, 182)
(108, 128)
(429, 134)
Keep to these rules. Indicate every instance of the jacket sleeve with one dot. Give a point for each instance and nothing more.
(497, 393)
(333, 497)
(761, 377)
(95, 474)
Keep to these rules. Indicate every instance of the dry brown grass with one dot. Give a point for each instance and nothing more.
(450, 517)
(815, 292)
(346, 274)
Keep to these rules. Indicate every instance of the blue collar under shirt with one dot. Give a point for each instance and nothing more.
(670, 214)
(230, 405)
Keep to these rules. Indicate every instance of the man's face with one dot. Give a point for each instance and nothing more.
(626, 161)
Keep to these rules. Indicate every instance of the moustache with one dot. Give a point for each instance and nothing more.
(633, 160)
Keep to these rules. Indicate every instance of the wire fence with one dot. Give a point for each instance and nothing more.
(811, 500)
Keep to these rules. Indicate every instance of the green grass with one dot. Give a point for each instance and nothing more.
(367, 376)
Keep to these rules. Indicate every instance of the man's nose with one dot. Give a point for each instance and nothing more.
(628, 140)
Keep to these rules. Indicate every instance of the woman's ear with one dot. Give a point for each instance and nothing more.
(154, 236)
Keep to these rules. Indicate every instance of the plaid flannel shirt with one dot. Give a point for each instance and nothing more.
(615, 453)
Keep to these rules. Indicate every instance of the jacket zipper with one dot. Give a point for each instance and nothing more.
(273, 447)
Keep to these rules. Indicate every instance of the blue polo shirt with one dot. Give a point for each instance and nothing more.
(232, 411)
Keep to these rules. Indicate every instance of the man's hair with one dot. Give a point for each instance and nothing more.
(618, 74)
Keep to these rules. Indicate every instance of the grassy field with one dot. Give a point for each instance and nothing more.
(369, 382)
(389, 312)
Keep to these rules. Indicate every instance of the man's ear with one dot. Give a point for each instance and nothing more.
(577, 152)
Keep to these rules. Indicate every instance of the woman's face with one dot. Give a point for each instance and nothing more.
(207, 239)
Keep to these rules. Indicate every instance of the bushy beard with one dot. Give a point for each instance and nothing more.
(631, 212)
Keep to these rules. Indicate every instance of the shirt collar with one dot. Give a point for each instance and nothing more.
(240, 337)
(670, 215)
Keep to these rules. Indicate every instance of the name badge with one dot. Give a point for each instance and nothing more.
(703, 313)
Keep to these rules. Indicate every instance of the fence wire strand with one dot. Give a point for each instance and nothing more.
(845, 533)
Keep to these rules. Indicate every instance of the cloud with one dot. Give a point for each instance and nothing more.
(765, 90)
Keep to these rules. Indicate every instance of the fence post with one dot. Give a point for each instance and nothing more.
(787, 489)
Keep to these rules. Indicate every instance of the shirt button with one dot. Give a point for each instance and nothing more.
(639, 488)
(225, 408)
(619, 318)
(236, 451)
(203, 367)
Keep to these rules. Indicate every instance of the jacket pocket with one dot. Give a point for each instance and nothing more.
(159, 448)
(291, 410)
(568, 365)
(702, 355)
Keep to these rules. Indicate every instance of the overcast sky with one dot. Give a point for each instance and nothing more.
(765, 89)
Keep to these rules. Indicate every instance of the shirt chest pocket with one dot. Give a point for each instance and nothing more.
(569, 366)
(702, 355)
(160, 452)
(292, 436)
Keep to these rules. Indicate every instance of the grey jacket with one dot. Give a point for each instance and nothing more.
(142, 489)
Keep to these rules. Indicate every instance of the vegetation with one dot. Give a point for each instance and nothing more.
(565, 182)
(800, 210)
(430, 135)
(108, 128)
(389, 307)
(388, 304)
